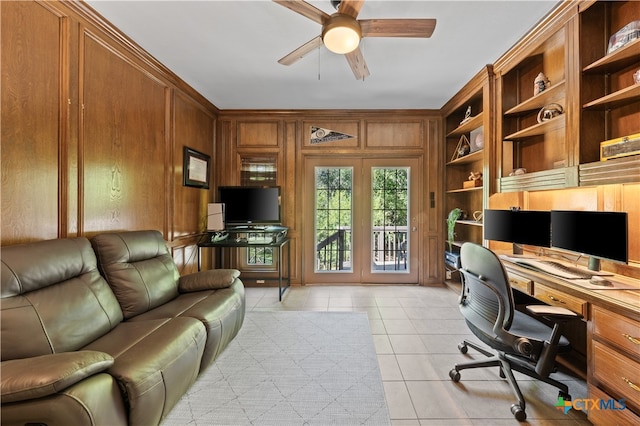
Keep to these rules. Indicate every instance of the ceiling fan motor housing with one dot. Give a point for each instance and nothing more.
(341, 34)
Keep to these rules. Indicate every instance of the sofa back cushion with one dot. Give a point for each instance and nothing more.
(138, 267)
(53, 298)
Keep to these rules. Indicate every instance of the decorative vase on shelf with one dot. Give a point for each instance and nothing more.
(540, 84)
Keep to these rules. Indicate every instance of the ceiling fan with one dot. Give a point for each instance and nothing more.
(342, 32)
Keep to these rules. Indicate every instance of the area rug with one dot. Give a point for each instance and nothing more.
(291, 368)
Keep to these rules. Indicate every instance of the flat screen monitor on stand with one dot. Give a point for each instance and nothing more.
(250, 206)
(519, 227)
(597, 234)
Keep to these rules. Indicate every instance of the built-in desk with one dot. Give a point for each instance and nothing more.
(244, 237)
(613, 337)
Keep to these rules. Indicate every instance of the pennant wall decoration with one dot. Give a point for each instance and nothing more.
(321, 135)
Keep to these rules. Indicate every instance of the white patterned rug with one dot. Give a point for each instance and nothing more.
(291, 368)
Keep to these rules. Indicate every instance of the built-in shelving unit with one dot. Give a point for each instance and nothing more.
(609, 98)
(524, 141)
(468, 115)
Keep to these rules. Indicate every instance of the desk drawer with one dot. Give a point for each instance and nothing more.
(617, 372)
(600, 417)
(520, 283)
(619, 330)
(559, 298)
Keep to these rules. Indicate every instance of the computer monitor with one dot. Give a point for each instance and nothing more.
(530, 227)
(250, 205)
(600, 235)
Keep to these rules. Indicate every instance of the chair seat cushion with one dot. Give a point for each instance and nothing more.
(526, 326)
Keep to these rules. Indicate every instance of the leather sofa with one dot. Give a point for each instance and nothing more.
(106, 332)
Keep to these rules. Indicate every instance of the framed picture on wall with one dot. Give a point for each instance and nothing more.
(196, 168)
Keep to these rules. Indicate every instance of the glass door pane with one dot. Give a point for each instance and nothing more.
(389, 219)
(334, 218)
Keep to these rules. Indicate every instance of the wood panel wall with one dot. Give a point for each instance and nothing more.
(93, 131)
(285, 136)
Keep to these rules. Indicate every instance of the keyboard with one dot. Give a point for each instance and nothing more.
(552, 268)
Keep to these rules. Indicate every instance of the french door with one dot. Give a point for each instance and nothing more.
(361, 220)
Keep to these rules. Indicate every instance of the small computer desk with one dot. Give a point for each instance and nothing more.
(230, 243)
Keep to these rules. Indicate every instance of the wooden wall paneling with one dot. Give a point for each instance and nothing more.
(225, 154)
(290, 199)
(258, 134)
(34, 164)
(585, 198)
(433, 205)
(193, 126)
(123, 143)
(390, 134)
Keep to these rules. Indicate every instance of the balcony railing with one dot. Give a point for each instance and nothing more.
(389, 250)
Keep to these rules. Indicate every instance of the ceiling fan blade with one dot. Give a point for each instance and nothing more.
(305, 9)
(301, 51)
(357, 64)
(397, 27)
(351, 7)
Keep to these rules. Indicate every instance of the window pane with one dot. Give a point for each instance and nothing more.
(258, 171)
(333, 218)
(389, 219)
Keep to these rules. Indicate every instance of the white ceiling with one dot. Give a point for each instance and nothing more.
(228, 50)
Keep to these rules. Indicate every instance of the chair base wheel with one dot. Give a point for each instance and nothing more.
(463, 348)
(518, 413)
(455, 375)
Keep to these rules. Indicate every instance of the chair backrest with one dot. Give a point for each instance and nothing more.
(53, 298)
(485, 288)
(138, 267)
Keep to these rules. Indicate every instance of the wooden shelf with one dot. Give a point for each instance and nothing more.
(472, 124)
(621, 97)
(469, 158)
(553, 94)
(538, 129)
(469, 222)
(619, 59)
(475, 188)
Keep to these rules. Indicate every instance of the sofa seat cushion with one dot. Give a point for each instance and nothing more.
(221, 311)
(155, 362)
(35, 377)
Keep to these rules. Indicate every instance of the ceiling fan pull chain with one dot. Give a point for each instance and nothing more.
(319, 63)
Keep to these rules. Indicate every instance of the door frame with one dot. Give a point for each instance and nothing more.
(361, 270)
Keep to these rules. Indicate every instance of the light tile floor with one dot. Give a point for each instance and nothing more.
(416, 331)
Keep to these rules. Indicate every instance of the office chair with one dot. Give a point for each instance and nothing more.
(520, 342)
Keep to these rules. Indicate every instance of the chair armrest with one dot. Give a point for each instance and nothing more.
(213, 279)
(553, 313)
(36, 377)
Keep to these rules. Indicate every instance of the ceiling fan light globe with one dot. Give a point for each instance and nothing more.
(341, 34)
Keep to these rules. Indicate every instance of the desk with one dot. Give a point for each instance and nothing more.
(613, 336)
(230, 243)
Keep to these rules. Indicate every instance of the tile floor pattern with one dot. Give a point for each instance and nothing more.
(416, 332)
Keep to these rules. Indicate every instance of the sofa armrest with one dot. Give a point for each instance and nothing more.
(36, 377)
(212, 279)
